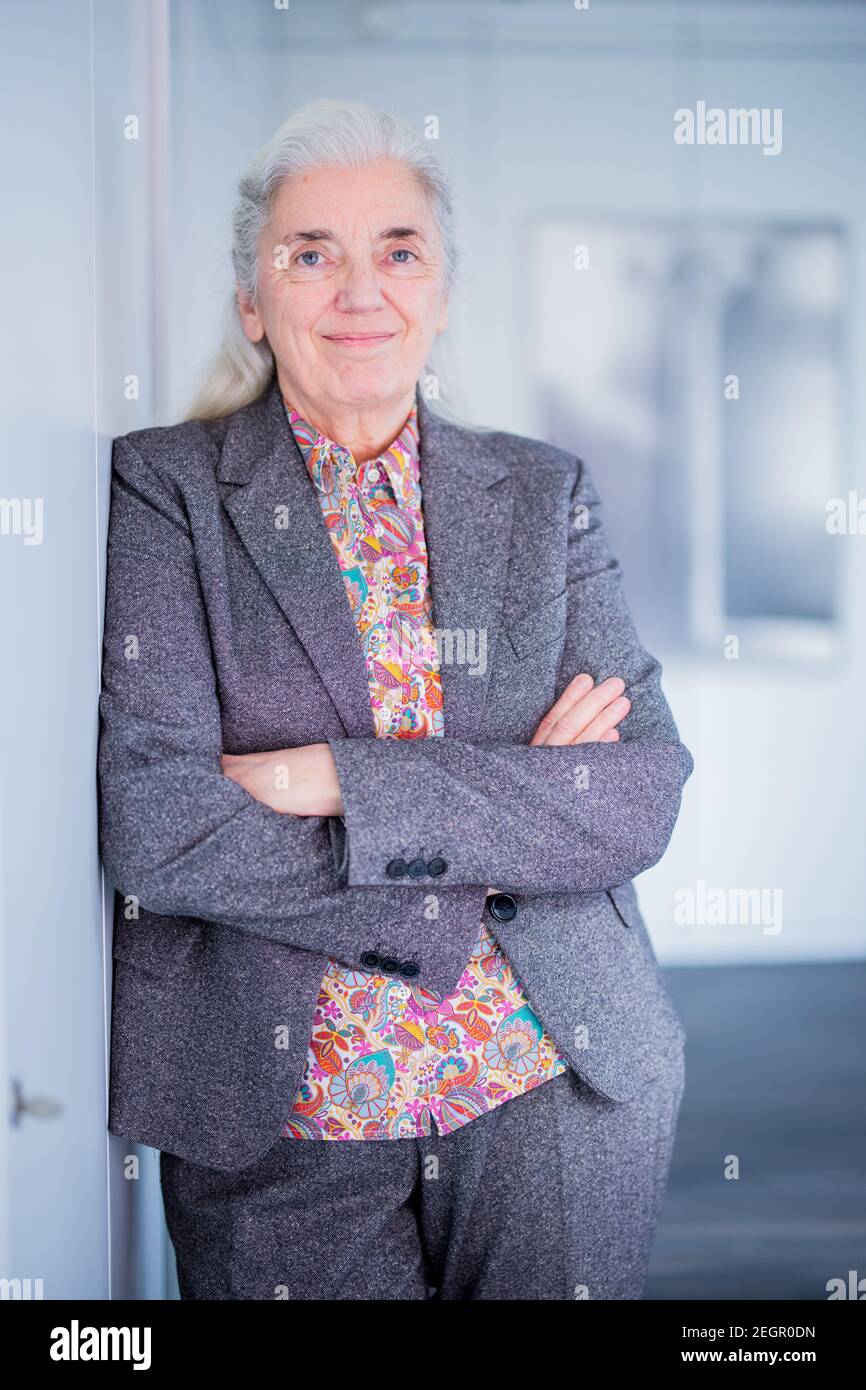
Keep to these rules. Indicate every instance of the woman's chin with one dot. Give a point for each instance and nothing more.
(368, 384)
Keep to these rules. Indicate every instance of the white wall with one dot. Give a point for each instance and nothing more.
(56, 1161)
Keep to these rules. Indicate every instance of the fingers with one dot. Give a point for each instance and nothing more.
(577, 687)
(603, 723)
(583, 712)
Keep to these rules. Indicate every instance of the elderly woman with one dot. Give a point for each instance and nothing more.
(362, 662)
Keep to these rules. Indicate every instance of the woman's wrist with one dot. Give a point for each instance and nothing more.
(292, 781)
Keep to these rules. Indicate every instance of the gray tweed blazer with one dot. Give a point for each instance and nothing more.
(227, 630)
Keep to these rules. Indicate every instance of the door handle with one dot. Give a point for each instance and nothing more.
(40, 1107)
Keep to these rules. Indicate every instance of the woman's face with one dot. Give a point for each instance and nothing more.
(351, 287)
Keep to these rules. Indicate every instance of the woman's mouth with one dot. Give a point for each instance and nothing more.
(358, 339)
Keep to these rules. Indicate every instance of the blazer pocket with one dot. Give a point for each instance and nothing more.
(539, 627)
(159, 946)
(637, 945)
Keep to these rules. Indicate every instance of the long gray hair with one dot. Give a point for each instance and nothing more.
(323, 132)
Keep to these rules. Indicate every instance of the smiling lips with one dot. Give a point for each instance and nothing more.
(358, 339)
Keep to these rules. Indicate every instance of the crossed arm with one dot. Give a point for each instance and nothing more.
(304, 781)
(583, 806)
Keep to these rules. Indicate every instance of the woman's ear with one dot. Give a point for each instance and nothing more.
(249, 316)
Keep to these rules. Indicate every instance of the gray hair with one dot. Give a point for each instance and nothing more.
(325, 131)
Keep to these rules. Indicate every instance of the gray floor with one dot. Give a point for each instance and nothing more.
(776, 1075)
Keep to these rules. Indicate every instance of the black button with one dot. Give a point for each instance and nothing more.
(502, 906)
(395, 868)
(369, 960)
(390, 965)
(410, 968)
(417, 869)
(436, 867)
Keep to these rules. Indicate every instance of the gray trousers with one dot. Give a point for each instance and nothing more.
(553, 1195)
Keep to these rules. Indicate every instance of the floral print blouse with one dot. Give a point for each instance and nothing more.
(387, 1058)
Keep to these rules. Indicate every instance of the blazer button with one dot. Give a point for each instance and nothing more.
(369, 960)
(389, 965)
(410, 968)
(502, 907)
(417, 869)
(436, 867)
(395, 868)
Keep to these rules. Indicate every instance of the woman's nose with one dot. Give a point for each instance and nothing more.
(359, 287)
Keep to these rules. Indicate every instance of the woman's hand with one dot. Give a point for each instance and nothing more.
(584, 713)
(294, 781)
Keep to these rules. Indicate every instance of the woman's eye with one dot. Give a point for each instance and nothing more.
(403, 251)
(300, 258)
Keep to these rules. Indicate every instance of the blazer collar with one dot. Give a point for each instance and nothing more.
(467, 509)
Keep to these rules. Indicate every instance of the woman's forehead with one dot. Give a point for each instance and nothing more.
(392, 194)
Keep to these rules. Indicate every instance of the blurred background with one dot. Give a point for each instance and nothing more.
(686, 315)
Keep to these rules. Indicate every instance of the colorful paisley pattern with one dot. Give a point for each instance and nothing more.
(389, 1059)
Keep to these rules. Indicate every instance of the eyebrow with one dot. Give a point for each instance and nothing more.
(323, 234)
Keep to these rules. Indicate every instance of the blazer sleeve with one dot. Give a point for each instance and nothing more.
(175, 832)
(576, 818)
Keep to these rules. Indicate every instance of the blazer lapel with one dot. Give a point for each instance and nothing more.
(467, 506)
